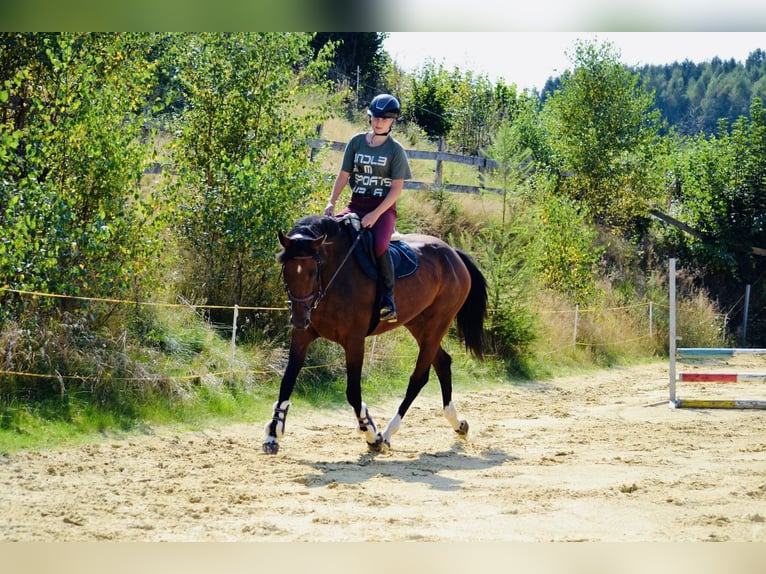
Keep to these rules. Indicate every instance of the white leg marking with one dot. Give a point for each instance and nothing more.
(280, 413)
(367, 426)
(391, 428)
(450, 413)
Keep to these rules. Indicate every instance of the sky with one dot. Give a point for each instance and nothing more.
(528, 59)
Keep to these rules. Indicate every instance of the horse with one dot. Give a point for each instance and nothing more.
(332, 297)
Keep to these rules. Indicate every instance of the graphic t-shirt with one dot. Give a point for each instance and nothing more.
(373, 168)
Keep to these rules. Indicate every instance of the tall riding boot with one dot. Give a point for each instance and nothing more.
(386, 269)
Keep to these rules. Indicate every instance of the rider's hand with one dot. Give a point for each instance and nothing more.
(369, 220)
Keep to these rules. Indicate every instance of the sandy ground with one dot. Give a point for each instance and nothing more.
(592, 458)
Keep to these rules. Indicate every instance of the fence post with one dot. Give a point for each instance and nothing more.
(233, 341)
(438, 171)
(744, 315)
(651, 315)
(576, 320)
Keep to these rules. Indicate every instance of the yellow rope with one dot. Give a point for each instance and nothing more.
(155, 378)
(124, 301)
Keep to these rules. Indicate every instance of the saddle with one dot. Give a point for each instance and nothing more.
(404, 258)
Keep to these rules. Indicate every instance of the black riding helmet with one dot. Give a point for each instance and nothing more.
(384, 106)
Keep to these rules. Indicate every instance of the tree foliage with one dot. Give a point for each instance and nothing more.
(463, 108)
(484, 107)
(74, 219)
(603, 133)
(253, 102)
(358, 59)
(77, 217)
(430, 98)
(722, 195)
(693, 97)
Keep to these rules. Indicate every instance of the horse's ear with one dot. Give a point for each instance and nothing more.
(317, 243)
(285, 241)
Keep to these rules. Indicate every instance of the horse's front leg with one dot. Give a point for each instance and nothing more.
(275, 428)
(366, 426)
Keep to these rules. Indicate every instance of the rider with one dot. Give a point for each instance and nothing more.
(375, 166)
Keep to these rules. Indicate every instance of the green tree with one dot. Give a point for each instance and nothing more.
(603, 131)
(358, 60)
(509, 248)
(721, 195)
(74, 218)
(568, 256)
(431, 98)
(513, 161)
(242, 155)
(483, 106)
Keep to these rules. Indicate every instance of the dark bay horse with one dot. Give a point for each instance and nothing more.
(330, 296)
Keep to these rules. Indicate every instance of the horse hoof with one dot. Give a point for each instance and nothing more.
(376, 446)
(462, 430)
(270, 447)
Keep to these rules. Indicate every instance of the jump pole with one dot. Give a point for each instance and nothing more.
(721, 377)
(717, 352)
(719, 404)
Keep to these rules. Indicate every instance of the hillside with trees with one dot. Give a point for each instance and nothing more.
(594, 188)
(693, 97)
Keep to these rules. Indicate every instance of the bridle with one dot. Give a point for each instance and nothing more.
(312, 300)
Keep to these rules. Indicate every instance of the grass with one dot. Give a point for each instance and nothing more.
(81, 418)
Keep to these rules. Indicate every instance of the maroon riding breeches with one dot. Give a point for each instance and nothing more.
(382, 229)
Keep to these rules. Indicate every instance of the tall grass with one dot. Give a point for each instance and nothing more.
(65, 382)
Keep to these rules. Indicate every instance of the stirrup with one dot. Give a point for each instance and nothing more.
(388, 314)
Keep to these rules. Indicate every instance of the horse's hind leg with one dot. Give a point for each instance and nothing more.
(413, 389)
(418, 380)
(366, 426)
(443, 367)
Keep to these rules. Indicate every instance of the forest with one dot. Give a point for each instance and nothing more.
(693, 98)
(601, 177)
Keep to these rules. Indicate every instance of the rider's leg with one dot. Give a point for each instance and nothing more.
(386, 269)
(382, 231)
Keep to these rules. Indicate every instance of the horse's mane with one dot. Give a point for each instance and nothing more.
(304, 232)
(313, 226)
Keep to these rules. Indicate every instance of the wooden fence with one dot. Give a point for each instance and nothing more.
(481, 163)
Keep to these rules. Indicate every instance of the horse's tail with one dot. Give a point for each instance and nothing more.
(470, 318)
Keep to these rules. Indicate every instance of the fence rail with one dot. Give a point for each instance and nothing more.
(481, 163)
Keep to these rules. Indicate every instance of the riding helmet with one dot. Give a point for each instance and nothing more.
(384, 106)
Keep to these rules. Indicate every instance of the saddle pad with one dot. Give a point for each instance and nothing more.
(404, 258)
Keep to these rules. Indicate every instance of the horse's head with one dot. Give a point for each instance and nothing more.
(302, 276)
